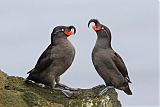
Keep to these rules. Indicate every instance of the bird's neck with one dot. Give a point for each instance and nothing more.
(58, 38)
(103, 42)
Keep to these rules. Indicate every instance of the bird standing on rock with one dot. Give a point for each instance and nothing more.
(107, 62)
(56, 59)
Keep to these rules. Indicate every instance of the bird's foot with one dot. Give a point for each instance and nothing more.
(67, 93)
(37, 84)
(105, 90)
(41, 85)
(62, 86)
(29, 81)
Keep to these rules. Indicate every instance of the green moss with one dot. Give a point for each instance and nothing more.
(33, 99)
(15, 92)
(12, 98)
(3, 79)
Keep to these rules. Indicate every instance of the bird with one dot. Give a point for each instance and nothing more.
(56, 59)
(107, 62)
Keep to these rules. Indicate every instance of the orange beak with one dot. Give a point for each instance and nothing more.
(96, 28)
(68, 33)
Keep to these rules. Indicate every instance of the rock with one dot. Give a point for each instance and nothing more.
(15, 92)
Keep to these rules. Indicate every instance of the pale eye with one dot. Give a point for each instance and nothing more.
(102, 27)
(62, 29)
(72, 30)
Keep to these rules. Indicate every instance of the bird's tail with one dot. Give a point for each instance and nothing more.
(30, 75)
(30, 71)
(128, 91)
(128, 79)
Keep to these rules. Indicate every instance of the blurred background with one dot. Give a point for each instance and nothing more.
(26, 25)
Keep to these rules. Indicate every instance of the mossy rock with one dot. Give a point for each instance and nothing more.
(15, 92)
(3, 79)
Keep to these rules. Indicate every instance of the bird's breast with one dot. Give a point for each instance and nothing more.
(69, 53)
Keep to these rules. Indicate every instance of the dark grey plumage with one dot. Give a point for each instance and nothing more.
(56, 59)
(107, 62)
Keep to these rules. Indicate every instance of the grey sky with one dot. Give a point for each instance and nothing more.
(26, 25)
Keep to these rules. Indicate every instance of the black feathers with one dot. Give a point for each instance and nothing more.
(107, 62)
(55, 60)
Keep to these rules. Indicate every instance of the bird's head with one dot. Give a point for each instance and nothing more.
(63, 31)
(99, 28)
(97, 25)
